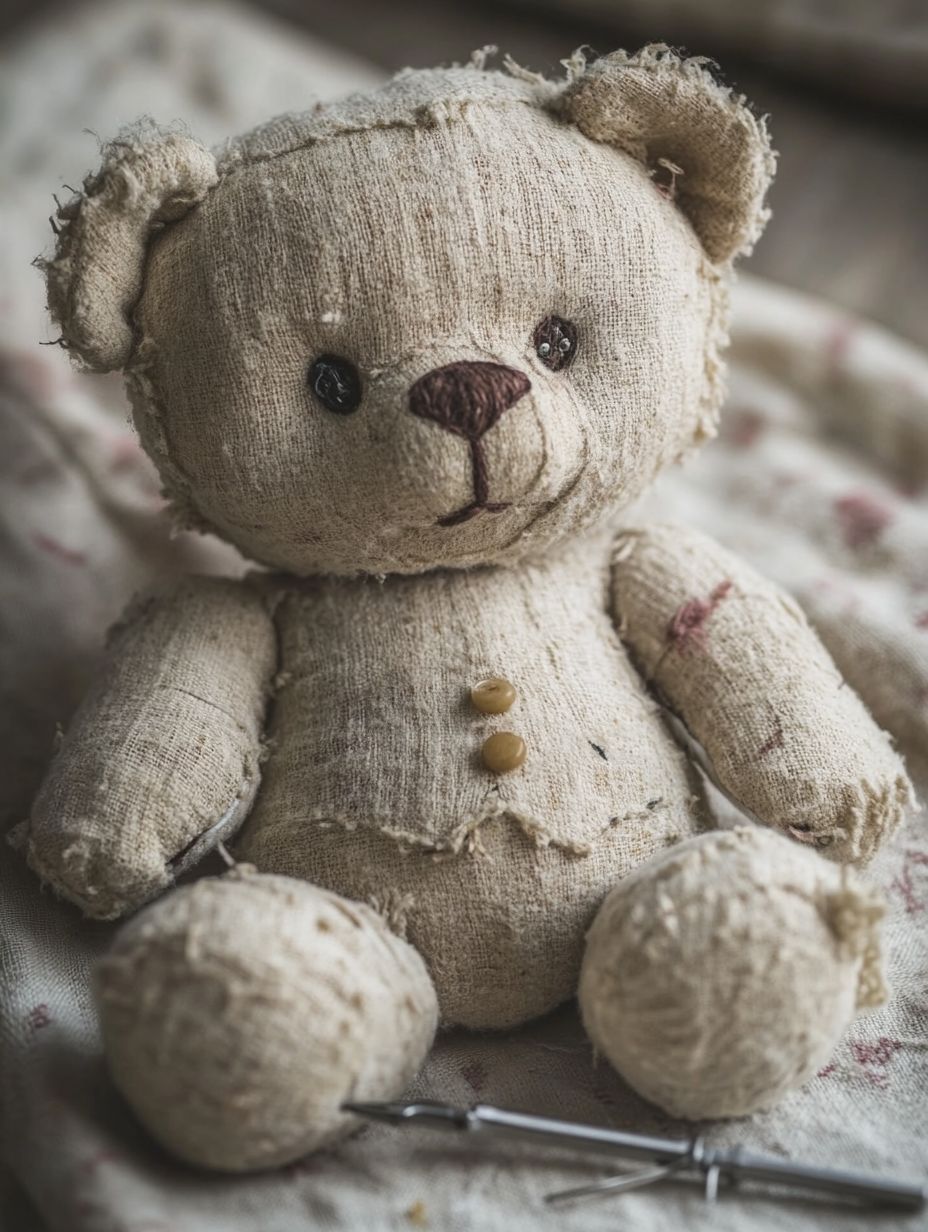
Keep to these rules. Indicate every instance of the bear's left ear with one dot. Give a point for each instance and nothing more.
(148, 179)
(661, 109)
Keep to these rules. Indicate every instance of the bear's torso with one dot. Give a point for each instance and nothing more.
(375, 787)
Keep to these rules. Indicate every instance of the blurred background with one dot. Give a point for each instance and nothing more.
(845, 84)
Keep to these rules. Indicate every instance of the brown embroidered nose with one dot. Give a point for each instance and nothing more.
(468, 397)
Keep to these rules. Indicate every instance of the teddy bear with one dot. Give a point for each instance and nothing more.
(416, 354)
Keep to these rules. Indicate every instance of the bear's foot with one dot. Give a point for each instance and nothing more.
(239, 1013)
(722, 974)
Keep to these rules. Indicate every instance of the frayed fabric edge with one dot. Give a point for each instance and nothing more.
(463, 839)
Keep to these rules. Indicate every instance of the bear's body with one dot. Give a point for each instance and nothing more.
(377, 674)
(414, 352)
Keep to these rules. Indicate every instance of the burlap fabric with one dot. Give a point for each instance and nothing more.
(782, 930)
(332, 963)
(96, 278)
(735, 659)
(165, 746)
(346, 231)
(860, 1110)
(494, 881)
(381, 263)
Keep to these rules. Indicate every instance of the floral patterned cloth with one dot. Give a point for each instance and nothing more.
(818, 477)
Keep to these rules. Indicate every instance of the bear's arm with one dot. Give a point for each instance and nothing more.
(734, 658)
(161, 759)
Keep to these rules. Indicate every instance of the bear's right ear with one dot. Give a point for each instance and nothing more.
(667, 111)
(95, 277)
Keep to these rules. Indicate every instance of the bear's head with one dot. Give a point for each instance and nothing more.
(444, 324)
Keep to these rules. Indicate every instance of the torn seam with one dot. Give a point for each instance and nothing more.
(465, 837)
(429, 115)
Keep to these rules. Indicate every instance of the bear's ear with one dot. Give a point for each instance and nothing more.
(95, 277)
(666, 111)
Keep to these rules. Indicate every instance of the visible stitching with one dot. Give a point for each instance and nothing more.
(147, 410)
(468, 398)
(423, 118)
(656, 58)
(464, 838)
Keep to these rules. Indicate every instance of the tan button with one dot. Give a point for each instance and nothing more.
(503, 751)
(493, 696)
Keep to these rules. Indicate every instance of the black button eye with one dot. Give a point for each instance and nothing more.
(555, 341)
(336, 383)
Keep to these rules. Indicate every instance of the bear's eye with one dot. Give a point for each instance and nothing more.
(336, 383)
(555, 342)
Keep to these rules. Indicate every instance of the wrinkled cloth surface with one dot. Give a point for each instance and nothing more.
(818, 478)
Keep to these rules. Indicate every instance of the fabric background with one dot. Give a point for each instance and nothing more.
(818, 478)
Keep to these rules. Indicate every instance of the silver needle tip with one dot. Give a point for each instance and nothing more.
(398, 1112)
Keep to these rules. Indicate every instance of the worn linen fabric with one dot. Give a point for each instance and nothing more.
(164, 746)
(737, 918)
(724, 156)
(842, 536)
(735, 659)
(523, 861)
(350, 230)
(70, 1139)
(366, 219)
(74, 78)
(226, 1018)
(96, 276)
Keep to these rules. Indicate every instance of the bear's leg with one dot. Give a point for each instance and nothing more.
(239, 1013)
(722, 973)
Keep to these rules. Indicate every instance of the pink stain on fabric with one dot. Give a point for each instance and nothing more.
(70, 556)
(874, 1058)
(921, 620)
(904, 884)
(863, 518)
(39, 1017)
(881, 1052)
(687, 630)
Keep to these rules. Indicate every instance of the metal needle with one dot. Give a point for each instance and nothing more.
(666, 1155)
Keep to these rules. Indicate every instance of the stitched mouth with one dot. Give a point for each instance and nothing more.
(481, 481)
(471, 511)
